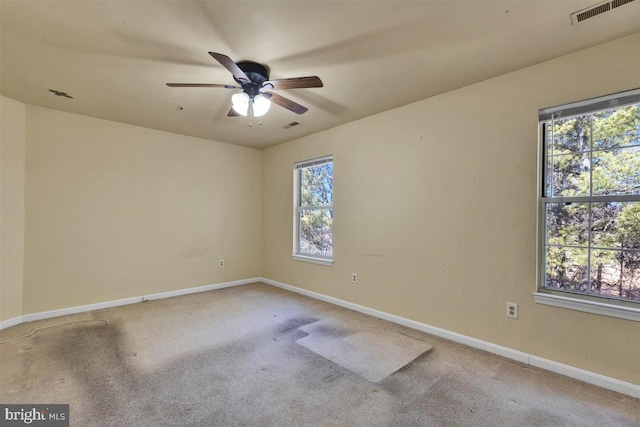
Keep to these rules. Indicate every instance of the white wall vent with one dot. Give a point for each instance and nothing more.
(597, 9)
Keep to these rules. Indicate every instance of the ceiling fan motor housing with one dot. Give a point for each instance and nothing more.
(257, 73)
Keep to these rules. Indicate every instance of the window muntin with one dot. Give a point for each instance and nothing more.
(590, 204)
(313, 228)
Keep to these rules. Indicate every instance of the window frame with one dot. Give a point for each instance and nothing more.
(586, 302)
(297, 170)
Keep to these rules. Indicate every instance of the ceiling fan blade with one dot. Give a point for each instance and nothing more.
(232, 113)
(287, 103)
(293, 83)
(201, 85)
(231, 66)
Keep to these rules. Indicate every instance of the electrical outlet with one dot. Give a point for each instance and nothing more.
(354, 277)
(221, 263)
(512, 310)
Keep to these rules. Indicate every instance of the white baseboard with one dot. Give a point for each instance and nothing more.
(10, 322)
(629, 389)
(609, 383)
(197, 289)
(107, 304)
(78, 309)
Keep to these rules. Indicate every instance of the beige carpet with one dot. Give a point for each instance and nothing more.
(254, 356)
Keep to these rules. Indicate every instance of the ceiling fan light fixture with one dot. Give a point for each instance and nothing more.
(261, 105)
(240, 103)
(252, 78)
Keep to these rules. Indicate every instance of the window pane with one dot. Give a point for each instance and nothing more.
(567, 224)
(616, 225)
(570, 175)
(572, 134)
(316, 185)
(616, 172)
(316, 195)
(566, 268)
(314, 175)
(315, 232)
(615, 274)
(548, 182)
(616, 128)
(548, 137)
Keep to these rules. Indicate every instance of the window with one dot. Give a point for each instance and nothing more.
(590, 199)
(313, 211)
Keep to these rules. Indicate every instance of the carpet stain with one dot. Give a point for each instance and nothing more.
(332, 377)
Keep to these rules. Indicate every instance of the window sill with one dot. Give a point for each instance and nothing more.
(587, 306)
(321, 261)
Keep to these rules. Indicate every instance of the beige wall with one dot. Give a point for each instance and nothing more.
(12, 164)
(435, 209)
(114, 211)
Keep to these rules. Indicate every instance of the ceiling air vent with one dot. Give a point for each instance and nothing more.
(618, 3)
(290, 125)
(597, 9)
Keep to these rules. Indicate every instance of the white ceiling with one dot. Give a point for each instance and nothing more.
(114, 57)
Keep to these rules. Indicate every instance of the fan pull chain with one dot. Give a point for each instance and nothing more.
(252, 116)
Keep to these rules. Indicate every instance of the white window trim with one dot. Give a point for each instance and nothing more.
(587, 306)
(296, 184)
(583, 303)
(313, 260)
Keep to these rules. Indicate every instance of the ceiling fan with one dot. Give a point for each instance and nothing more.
(256, 96)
